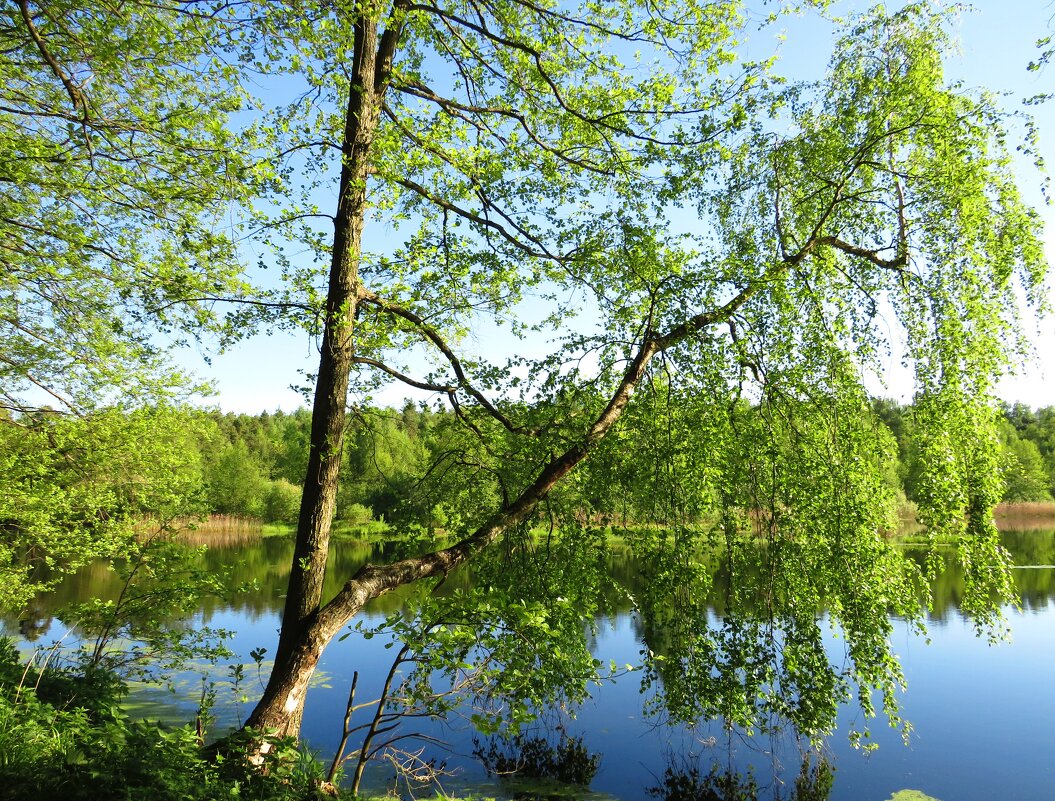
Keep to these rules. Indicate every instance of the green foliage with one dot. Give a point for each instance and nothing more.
(1022, 468)
(283, 502)
(428, 473)
(1039, 428)
(734, 342)
(357, 514)
(76, 489)
(144, 632)
(510, 652)
(118, 164)
(63, 735)
(384, 459)
(237, 484)
(248, 460)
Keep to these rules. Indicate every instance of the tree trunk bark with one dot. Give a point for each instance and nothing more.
(299, 645)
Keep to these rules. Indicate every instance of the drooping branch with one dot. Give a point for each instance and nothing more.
(373, 580)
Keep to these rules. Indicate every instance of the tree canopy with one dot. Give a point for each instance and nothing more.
(116, 171)
(735, 247)
(715, 258)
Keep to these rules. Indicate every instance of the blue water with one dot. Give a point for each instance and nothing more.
(983, 715)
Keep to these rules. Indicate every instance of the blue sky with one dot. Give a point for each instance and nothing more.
(997, 41)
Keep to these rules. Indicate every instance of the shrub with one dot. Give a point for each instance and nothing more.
(64, 735)
(282, 504)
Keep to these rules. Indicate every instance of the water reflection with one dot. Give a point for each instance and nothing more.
(686, 781)
(767, 655)
(259, 567)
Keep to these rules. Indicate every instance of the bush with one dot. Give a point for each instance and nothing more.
(357, 514)
(282, 504)
(65, 736)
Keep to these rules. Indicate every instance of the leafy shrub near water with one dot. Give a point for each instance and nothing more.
(64, 735)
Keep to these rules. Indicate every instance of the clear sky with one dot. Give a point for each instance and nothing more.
(997, 41)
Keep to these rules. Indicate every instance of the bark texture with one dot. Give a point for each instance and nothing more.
(300, 639)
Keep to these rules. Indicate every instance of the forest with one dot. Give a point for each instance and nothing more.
(407, 468)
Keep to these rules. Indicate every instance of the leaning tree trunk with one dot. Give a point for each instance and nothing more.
(303, 639)
(281, 706)
(299, 644)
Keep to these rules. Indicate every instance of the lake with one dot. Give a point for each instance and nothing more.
(983, 716)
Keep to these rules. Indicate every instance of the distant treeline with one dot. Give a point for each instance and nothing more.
(253, 465)
(1027, 450)
(394, 461)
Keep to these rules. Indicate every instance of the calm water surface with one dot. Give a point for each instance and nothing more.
(983, 716)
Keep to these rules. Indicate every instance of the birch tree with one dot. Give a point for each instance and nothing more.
(719, 234)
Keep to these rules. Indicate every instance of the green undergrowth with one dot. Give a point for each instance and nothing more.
(366, 531)
(64, 734)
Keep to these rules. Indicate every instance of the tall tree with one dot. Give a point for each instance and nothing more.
(548, 155)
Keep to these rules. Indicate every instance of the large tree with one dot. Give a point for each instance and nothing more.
(736, 250)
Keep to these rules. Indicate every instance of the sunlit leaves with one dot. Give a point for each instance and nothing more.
(117, 168)
(78, 489)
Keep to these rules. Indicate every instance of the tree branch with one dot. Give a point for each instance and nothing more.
(433, 336)
(74, 92)
(420, 90)
(424, 385)
(541, 252)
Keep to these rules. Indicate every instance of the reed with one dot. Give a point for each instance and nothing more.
(1025, 515)
(221, 530)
